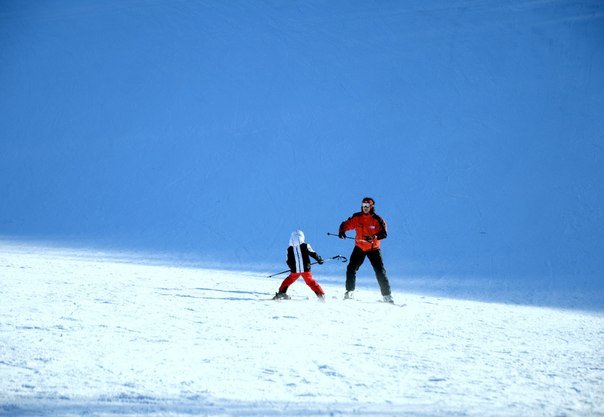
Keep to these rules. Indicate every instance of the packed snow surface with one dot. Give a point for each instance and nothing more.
(85, 334)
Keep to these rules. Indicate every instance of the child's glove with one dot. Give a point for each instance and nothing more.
(342, 235)
(320, 261)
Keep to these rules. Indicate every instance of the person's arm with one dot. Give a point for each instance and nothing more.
(314, 254)
(289, 260)
(348, 224)
(383, 232)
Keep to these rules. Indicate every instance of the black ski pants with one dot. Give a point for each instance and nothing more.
(356, 260)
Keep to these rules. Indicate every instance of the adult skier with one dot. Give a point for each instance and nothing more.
(298, 260)
(370, 230)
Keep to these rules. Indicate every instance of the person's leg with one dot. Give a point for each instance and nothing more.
(356, 260)
(291, 278)
(312, 283)
(375, 257)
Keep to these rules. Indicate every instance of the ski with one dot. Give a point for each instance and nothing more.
(368, 302)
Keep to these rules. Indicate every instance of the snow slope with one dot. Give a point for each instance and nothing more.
(84, 334)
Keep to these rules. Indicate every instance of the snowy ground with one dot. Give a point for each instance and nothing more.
(85, 335)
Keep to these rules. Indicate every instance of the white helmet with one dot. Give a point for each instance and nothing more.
(297, 238)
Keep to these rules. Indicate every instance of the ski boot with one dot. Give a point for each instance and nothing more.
(321, 298)
(281, 296)
(388, 299)
(348, 295)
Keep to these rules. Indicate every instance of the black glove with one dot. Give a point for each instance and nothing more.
(369, 238)
(342, 235)
(320, 260)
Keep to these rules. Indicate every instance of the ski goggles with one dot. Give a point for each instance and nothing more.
(366, 205)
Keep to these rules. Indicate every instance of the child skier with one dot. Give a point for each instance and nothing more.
(298, 260)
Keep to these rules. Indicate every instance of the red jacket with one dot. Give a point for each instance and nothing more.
(370, 229)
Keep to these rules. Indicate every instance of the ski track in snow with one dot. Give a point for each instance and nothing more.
(80, 335)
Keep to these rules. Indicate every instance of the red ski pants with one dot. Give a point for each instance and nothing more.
(308, 279)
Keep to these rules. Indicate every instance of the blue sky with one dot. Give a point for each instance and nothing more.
(214, 129)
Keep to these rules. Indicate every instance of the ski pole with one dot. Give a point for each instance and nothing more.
(333, 258)
(347, 237)
(334, 234)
